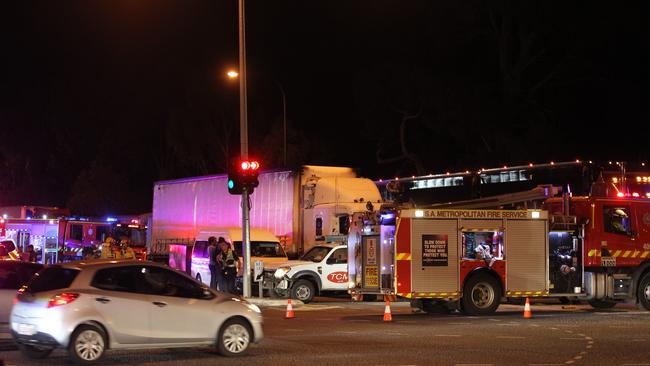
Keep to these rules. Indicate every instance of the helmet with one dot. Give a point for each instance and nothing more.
(619, 212)
(110, 240)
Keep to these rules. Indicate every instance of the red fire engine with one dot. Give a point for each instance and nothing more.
(595, 248)
(54, 240)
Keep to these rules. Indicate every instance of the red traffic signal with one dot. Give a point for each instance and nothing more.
(243, 174)
(250, 165)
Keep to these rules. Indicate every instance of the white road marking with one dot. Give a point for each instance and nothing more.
(638, 340)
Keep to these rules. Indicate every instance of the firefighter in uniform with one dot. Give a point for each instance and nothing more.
(126, 251)
(107, 248)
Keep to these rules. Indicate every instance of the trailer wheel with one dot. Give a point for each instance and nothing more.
(481, 295)
(303, 290)
(601, 304)
(643, 293)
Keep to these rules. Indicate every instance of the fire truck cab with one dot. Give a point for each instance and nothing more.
(615, 229)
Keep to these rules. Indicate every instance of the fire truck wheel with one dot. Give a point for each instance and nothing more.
(601, 304)
(644, 292)
(481, 295)
(303, 290)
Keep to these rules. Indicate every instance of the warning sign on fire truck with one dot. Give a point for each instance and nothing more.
(371, 252)
(435, 250)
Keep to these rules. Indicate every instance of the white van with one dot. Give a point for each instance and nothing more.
(264, 247)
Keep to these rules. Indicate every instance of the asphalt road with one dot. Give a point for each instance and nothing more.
(341, 333)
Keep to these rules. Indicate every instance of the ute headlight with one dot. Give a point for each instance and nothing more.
(281, 272)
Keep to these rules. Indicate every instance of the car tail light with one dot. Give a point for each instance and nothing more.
(62, 299)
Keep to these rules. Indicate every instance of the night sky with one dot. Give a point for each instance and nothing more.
(99, 99)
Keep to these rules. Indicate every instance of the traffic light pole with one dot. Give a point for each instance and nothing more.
(243, 124)
(246, 230)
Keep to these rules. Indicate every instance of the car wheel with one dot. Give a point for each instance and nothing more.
(87, 345)
(643, 293)
(481, 295)
(234, 338)
(34, 352)
(303, 290)
(601, 304)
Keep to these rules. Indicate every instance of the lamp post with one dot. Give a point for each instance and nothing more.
(243, 124)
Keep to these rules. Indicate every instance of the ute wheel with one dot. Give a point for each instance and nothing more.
(481, 295)
(87, 345)
(601, 304)
(34, 352)
(303, 290)
(234, 338)
(643, 293)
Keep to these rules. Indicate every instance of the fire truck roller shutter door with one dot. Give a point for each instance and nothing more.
(434, 248)
(526, 254)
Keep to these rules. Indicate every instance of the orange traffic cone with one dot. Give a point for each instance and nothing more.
(527, 313)
(387, 316)
(290, 314)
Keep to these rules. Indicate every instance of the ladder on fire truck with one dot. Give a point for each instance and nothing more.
(530, 199)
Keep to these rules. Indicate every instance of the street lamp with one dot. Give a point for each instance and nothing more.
(232, 74)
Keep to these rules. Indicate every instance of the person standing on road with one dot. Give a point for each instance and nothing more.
(229, 263)
(215, 268)
(31, 254)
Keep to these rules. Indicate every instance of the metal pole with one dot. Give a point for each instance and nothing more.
(243, 121)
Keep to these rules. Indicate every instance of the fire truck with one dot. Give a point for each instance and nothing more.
(595, 248)
(54, 240)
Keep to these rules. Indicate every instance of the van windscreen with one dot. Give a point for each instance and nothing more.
(266, 249)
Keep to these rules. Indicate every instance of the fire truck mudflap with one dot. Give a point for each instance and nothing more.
(467, 259)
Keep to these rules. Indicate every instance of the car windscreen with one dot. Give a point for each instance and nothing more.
(266, 249)
(316, 254)
(15, 274)
(52, 278)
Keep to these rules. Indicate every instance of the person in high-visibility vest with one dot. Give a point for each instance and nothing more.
(107, 248)
(126, 250)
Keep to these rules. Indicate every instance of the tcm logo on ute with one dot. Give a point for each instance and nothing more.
(338, 277)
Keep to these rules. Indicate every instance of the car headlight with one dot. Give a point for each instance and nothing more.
(253, 307)
(281, 272)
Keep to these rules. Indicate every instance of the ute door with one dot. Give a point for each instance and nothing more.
(335, 270)
(182, 310)
(122, 301)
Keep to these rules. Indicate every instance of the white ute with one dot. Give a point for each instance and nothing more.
(322, 269)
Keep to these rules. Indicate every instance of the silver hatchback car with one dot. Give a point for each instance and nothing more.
(91, 306)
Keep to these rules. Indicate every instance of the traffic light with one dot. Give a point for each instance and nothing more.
(243, 174)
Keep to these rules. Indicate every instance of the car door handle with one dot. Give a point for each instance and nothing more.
(103, 300)
(160, 304)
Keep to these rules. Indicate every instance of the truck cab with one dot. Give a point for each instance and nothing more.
(322, 269)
